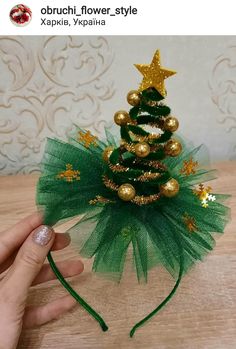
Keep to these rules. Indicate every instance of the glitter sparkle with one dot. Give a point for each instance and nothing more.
(87, 139)
(69, 175)
(189, 167)
(204, 195)
(154, 74)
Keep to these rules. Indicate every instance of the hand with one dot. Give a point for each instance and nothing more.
(23, 249)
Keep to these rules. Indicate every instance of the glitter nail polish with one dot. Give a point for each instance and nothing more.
(42, 235)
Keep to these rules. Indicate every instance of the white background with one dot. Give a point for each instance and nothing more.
(174, 17)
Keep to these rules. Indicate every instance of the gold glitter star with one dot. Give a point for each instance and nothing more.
(189, 167)
(190, 222)
(69, 174)
(154, 75)
(87, 139)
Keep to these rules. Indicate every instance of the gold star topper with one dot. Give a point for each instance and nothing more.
(154, 74)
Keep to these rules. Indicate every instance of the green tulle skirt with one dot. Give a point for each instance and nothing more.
(172, 232)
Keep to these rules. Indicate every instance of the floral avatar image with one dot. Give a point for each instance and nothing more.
(20, 15)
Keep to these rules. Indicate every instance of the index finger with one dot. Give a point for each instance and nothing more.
(12, 238)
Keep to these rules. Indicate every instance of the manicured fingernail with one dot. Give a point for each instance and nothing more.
(42, 235)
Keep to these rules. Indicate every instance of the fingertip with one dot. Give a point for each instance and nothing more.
(40, 315)
(43, 235)
(67, 237)
(29, 259)
(70, 302)
(76, 267)
(62, 305)
(80, 266)
(61, 241)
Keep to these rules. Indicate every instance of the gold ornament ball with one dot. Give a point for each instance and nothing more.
(121, 117)
(107, 153)
(126, 192)
(173, 147)
(171, 124)
(133, 98)
(170, 188)
(142, 149)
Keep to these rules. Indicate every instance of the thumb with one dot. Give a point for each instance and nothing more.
(29, 261)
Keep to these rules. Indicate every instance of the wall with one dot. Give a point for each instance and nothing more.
(47, 84)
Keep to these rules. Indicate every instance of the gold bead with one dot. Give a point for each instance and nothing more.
(171, 124)
(173, 147)
(121, 117)
(170, 188)
(107, 153)
(126, 192)
(142, 149)
(133, 98)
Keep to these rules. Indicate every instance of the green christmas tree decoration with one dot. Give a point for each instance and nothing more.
(146, 192)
